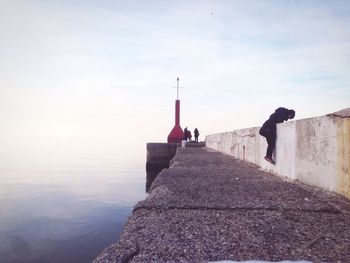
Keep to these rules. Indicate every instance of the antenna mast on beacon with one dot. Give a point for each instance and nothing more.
(176, 135)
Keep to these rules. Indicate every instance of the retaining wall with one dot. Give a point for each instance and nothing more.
(315, 151)
(158, 158)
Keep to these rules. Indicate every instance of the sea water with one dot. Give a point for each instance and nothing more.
(69, 211)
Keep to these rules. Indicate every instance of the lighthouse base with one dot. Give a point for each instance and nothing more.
(176, 135)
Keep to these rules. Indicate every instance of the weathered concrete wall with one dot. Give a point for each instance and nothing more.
(161, 152)
(158, 158)
(315, 151)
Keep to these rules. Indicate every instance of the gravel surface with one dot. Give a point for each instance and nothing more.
(209, 207)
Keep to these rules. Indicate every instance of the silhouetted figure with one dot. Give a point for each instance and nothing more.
(268, 130)
(196, 134)
(189, 136)
(185, 134)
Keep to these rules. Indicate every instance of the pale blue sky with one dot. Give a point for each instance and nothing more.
(84, 77)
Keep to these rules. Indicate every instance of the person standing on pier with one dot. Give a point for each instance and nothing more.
(189, 135)
(185, 134)
(268, 130)
(196, 134)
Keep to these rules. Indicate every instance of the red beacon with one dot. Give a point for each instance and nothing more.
(176, 135)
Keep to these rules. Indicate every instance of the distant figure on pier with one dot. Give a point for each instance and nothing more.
(196, 134)
(189, 136)
(185, 134)
(268, 130)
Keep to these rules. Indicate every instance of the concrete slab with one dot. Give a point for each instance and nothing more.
(209, 207)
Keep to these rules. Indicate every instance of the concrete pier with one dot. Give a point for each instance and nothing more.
(158, 158)
(315, 151)
(209, 206)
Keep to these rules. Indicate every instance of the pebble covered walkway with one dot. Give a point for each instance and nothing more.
(209, 207)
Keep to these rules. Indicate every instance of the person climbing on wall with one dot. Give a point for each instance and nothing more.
(268, 130)
(196, 134)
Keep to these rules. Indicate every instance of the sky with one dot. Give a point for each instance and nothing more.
(95, 79)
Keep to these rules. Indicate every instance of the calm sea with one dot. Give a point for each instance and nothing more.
(67, 212)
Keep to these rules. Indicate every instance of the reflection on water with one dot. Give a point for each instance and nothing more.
(65, 215)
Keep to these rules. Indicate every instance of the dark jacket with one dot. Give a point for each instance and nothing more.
(269, 127)
(185, 134)
(196, 132)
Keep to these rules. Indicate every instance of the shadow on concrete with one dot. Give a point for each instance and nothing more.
(152, 170)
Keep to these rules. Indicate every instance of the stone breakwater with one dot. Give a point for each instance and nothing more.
(208, 206)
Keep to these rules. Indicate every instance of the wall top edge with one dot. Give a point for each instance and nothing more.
(344, 113)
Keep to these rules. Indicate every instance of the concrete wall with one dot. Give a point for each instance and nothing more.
(161, 152)
(158, 158)
(315, 151)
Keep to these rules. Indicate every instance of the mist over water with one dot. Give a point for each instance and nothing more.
(65, 206)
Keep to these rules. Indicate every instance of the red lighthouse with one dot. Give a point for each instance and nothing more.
(176, 135)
